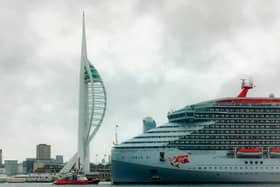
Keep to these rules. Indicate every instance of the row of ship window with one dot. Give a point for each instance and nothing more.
(237, 168)
(187, 147)
(235, 110)
(208, 147)
(252, 162)
(237, 132)
(144, 147)
(231, 137)
(255, 110)
(174, 126)
(246, 121)
(244, 126)
(237, 115)
(262, 121)
(137, 142)
(137, 157)
(213, 142)
(183, 130)
(241, 131)
(140, 137)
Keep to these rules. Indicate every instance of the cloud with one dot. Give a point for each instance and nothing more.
(154, 56)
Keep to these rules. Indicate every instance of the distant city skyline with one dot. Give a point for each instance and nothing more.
(154, 56)
(43, 152)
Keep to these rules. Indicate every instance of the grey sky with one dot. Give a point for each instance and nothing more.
(153, 55)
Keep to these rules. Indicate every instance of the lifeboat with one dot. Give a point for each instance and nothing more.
(274, 152)
(249, 152)
(76, 180)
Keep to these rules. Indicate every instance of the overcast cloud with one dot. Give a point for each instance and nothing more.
(153, 55)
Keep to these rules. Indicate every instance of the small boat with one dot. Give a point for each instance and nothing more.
(76, 180)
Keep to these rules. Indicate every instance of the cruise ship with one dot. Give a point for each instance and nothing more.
(234, 139)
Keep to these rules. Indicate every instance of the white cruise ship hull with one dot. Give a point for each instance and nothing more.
(145, 166)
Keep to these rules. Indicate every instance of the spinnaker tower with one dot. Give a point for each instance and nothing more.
(92, 108)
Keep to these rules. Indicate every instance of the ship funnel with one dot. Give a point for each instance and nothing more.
(246, 84)
(148, 123)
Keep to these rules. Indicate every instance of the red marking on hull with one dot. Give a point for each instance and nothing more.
(182, 159)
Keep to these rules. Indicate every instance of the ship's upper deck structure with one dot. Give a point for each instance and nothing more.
(221, 124)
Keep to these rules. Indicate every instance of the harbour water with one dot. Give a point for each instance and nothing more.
(108, 184)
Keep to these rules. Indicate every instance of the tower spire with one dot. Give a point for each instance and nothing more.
(84, 42)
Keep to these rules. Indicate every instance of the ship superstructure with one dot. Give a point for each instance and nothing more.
(224, 140)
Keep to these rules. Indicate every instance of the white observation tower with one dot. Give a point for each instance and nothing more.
(92, 107)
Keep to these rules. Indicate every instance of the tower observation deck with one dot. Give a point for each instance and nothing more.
(92, 107)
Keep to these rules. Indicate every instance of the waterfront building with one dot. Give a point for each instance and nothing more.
(92, 107)
(20, 168)
(37, 165)
(2, 171)
(148, 123)
(11, 167)
(1, 158)
(28, 165)
(109, 158)
(47, 166)
(59, 159)
(101, 171)
(43, 152)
